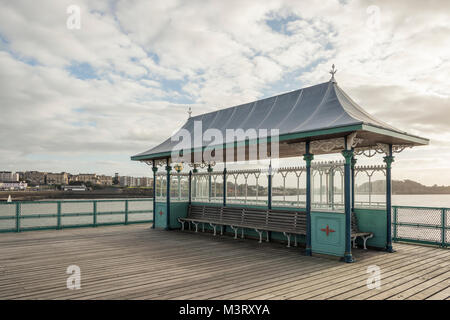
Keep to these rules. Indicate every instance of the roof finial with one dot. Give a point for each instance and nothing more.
(333, 72)
(189, 112)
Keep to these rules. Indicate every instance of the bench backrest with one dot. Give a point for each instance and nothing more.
(196, 212)
(275, 219)
(287, 220)
(355, 228)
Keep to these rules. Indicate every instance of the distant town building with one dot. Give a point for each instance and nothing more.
(8, 176)
(87, 177)
(126, 181)
(13, 185)
(105, 180)
(34, 177)
(144, 182)
(57, 178)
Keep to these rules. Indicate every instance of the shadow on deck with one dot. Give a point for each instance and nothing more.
(135, 262)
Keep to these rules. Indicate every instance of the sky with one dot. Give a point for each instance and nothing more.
(86, 99)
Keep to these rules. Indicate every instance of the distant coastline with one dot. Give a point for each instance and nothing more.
(106, 193)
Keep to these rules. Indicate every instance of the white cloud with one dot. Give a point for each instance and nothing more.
(151, 58)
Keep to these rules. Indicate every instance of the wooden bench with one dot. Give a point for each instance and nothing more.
(356, 233)
(261, 220)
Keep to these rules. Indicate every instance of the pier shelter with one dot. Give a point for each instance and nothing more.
(324, 216)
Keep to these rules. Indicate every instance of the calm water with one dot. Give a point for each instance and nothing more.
(419, 200)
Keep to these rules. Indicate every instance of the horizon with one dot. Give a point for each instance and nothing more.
(80, 100)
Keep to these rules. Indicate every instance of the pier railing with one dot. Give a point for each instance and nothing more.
(36, 215)
(426, 225)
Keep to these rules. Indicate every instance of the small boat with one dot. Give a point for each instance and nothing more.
(9, 199)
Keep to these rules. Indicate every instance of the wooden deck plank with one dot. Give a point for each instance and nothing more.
(136, 262)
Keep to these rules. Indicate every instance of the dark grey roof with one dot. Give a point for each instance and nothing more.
(319, 107)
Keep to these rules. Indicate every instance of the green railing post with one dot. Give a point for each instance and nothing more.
(58, 219)
(395, 223)
(94, 212)
(17, 216)
(126, 211)
(443, 220)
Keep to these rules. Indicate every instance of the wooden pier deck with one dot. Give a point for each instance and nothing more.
(135, 262)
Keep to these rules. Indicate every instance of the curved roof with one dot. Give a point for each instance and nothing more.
(323, 109)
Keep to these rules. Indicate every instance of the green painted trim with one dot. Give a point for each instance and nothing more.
(283, 137)
(17, 215)
(391, 133)
(418, 241)
(75, 201)
(298, 135)
(425, 208)
(8, 218)
(7, 230)
(419, 225)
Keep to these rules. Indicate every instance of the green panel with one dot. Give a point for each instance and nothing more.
(373, 220)
(177, 210)
(160, 215)
(332, 243)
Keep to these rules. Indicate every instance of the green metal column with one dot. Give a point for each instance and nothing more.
(194, 188)
(190, 187)
(154, 169)
(395, 223)
(168, 168)
(353, 182)
(269, 188)
(308, 157)
(443, 220)
(126, 211)
(209, 182)
(58, 215)
(388, 160)
(94, 212)
(18, 216)
(348, 154)
(331, 188)
(224, 186)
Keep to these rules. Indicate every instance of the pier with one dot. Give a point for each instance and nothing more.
(138, 262)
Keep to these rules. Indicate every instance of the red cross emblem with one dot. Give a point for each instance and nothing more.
(161, 213)
(327, 230)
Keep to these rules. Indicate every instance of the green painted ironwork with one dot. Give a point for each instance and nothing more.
(61, 214)
(425, 225)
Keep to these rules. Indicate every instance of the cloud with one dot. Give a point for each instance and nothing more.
(121, 83)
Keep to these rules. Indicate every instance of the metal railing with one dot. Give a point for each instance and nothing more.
(37, 215)
(425, 225)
